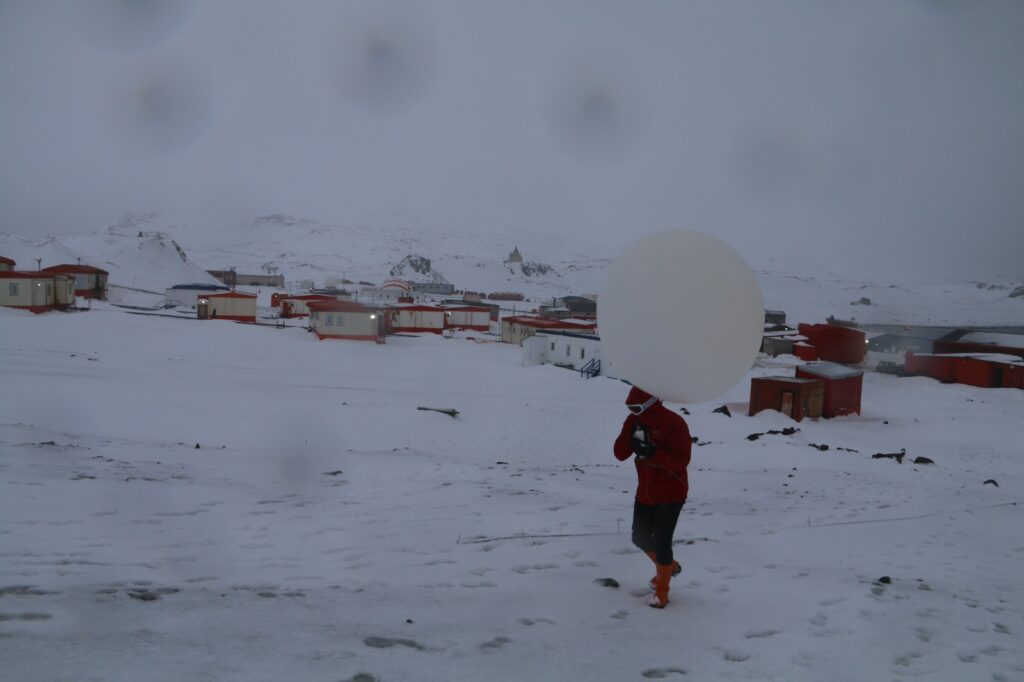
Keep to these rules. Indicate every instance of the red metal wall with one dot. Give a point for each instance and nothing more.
(974, 372)
(969, 371)
(836, 344)
(805, 352)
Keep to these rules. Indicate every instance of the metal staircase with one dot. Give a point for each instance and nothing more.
(591, 369)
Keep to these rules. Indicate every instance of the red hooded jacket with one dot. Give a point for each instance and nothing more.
(661, 477)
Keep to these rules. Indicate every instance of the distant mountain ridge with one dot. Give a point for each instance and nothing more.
(152, 252)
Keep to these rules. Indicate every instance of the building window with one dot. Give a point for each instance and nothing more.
(12, 289)
(330, 319)
(568, 350)
(552, 345)
(583, 353)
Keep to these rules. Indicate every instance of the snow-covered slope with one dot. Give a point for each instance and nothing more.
(139, 259)
(185, 500)
(304, 249)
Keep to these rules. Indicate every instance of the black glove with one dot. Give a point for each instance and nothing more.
(642, 445)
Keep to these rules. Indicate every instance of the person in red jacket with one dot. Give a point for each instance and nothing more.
(660, 439)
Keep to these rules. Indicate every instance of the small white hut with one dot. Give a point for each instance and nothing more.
(412, 318)
(345, 320)
(476, 318)
(36, 291)
(229, 305)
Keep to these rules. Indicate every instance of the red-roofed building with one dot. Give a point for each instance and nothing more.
(90, 282)
(6, 264)
(345, 320)
(35, 291)
(229, 305)
(297, 305)
(517, 328)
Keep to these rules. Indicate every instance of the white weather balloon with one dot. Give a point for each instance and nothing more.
(681, 316)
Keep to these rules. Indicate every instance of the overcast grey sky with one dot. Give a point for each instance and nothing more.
(863, 134)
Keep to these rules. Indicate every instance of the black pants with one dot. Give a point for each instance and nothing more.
(653, 527)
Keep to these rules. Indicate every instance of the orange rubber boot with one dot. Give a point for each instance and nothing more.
(659, 599)
(676, 570)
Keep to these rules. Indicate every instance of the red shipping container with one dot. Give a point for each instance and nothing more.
(975, 372)
(835, 343)
(1013, 376)
(941, 367)
(842, 385)
(984, 372)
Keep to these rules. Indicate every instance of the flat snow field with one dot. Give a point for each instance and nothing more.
(326, 529)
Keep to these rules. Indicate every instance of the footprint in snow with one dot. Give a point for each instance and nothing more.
(906, 660)
(761, 634)
(735, 655)
(23, 591)
(660, 673)
(388, 642)
(924, 634)
(533, 567)
(495, 644)
(24, 616)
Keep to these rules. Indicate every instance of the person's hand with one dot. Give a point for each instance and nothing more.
(641, 441)
(644, 450)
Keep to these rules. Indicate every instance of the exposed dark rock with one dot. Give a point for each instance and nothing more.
(723, 409)
(898, 456)
(923, 460)
(992, 481)
(607, 582)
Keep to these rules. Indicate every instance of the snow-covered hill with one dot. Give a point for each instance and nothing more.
(148, 251)
(138, 258)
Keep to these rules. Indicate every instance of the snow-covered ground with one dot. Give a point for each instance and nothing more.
(326, 529)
